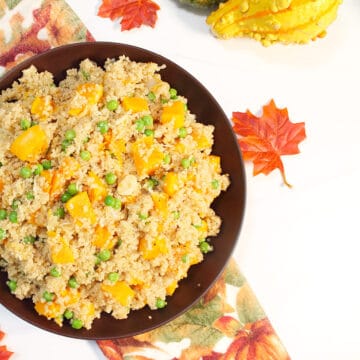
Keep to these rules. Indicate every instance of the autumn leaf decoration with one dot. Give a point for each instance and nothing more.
(5, 354)
(263, 140)
(133, 13)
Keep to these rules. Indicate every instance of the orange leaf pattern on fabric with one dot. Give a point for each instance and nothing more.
(62, 26)
(5, 354)
(133, 13)
(257, 341)
(205, 325)
(263, 140)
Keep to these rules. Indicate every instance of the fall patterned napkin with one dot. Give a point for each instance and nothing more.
(228, 322)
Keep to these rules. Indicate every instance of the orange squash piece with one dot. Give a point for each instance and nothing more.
(30, 144)
(80, 208)
(135, 104)
(174, 112)
(120, 291)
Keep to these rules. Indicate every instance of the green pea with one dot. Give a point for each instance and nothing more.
(70, 134)
(109, 200)
(176, 214)
(152, 183)
(149, 132)
(3, 214)
(148, 120)
(25, 172)
(85, 155)
(85, 74)
(38, 169)
(12, 284)
(29, 239)
(25, 124)
(160, 303)
(55, 272)
(65, 197)
(60, 212)
(113, 277)
(103, 127)
(65, 144)
(185, 163)
(68, 314)
(185, 107)
(167, 159)
(46, 164)
(164, 101)
(151, 96)
(104, 255)
(13, 216)
(112, 105)
(139, 125)
(143, 216)
(205, 247)
(73, 283)
(30, 195)
(76, 324)
(173, 93)
(185, 258)
(215, 184)
(72, 189)
(117, 204)
(182, 132)
(110, 178)
(2, 234)
(48, 296)
(15, 204)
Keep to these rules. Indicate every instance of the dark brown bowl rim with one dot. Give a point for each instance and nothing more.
(145, 320)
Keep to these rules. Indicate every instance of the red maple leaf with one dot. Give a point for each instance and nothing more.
(263, 140)
(133, 13)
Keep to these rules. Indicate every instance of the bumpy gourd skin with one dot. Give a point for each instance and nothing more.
(271, 21)
(201, 3)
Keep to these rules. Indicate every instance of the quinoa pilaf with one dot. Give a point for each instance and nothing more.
(106, 182)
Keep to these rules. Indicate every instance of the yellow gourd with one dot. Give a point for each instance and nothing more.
(30, 144)
(270, 21)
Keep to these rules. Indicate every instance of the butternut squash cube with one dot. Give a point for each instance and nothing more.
(120, 291)
(135, 104)
(80, 208)
(30, 144)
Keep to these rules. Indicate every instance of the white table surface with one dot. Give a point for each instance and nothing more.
(299, 248)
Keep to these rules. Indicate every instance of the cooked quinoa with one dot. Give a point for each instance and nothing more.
(106, 182)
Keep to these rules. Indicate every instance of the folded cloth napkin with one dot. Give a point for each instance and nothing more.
(228, 322)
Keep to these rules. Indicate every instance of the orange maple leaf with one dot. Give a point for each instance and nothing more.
(133, 13)
(5, 354)
(263, 140)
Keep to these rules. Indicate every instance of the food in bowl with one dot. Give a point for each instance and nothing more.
(106, 185)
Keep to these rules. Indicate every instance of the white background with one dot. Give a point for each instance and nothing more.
(299, 248)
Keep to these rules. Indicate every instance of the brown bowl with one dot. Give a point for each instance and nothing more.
(229, 206)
